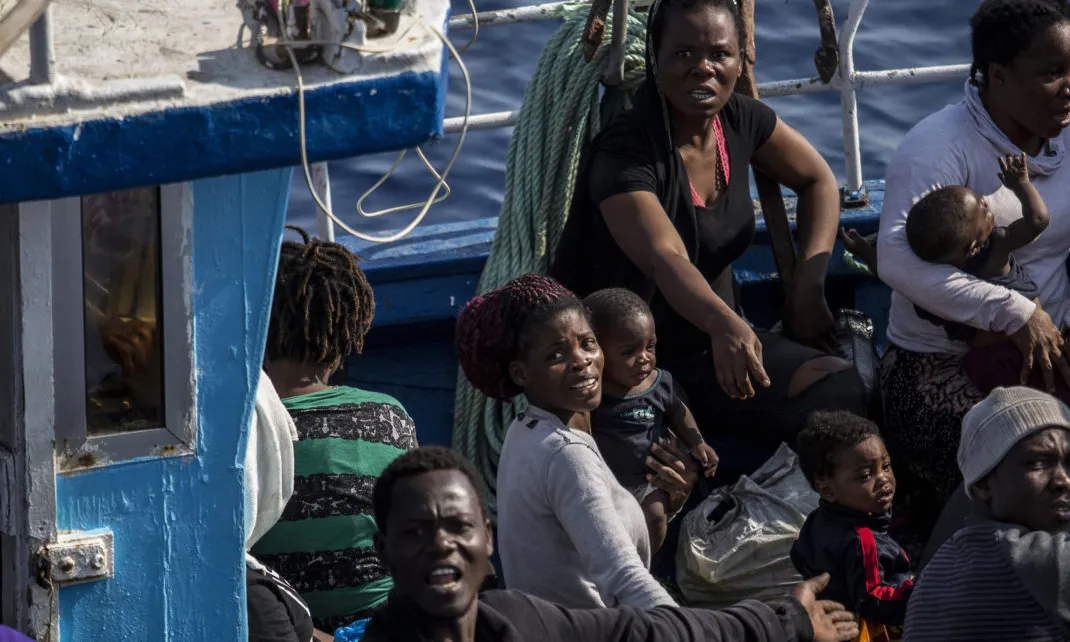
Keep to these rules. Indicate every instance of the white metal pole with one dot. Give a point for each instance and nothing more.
(321, 180)
(852, 156)
(530, 13)
(771, 89)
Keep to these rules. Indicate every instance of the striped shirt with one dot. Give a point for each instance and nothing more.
(322, 544)
(972, 591)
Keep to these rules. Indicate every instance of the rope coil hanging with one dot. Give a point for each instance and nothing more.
(561, 113)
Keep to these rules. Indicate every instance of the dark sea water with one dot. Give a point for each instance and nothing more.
(894, 34)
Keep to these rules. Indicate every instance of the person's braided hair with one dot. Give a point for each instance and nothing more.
(492, 329)
(1002, 29)
(323, 304)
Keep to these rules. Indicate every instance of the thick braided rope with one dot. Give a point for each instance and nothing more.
(560, 114)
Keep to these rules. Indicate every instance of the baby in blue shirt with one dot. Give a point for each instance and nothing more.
(641, 403)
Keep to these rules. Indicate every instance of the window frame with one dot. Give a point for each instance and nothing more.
(75, 448)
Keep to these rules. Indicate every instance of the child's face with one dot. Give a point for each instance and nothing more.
(979, 226)
(629, 351)
(561, 370)
(863, 479)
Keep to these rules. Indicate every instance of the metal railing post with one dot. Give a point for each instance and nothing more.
(852, 155)
(42, 53)
(321, 180)
(615, 66)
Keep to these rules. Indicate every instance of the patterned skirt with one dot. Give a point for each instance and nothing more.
(926, 395)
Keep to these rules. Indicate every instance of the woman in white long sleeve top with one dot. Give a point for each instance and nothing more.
(568, 532)
(1018, 99)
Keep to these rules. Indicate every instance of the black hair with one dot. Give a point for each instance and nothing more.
(1002, 29)
(656, 21)
(493, 330)
(421, 460)
(826, 434)
(323, 304)
(938, 224)
(610, 306)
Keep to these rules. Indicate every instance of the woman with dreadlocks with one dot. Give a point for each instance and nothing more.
(663, 207)
(322, 545)
(568, 532)
(1016, 100)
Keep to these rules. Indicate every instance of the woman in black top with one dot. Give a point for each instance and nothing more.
(663, 207)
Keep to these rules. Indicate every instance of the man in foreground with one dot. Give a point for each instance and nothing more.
(435, 539)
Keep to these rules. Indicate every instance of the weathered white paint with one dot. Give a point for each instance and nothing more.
(133, 53)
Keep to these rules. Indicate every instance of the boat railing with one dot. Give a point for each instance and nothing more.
(847, 81)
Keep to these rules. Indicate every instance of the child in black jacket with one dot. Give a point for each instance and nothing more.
(844, 459)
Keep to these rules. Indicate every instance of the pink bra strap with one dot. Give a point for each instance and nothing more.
(722, 147)
(722, 156)
(696, 200)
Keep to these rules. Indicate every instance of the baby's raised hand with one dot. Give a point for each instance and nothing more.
(707, 457)
(1013, 170)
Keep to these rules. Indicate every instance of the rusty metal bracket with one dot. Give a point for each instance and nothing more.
(594, 33)
(79, 556)
(595, 29)
(827, 56)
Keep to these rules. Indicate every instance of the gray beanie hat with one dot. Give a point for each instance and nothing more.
(998, 422)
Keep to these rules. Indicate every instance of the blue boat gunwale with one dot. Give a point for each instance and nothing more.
(428, 275)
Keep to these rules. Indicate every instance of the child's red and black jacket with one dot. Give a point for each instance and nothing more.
(870, 573)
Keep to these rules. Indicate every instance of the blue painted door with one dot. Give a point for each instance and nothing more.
(160, 298)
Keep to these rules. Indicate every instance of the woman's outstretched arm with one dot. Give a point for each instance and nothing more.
(643, 231)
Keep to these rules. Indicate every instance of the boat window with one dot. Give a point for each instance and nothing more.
(122, 325)
(122, 294)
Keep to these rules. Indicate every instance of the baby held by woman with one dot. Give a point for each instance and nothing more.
(953, 226)
(640, 402)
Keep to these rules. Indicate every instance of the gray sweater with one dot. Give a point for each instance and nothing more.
(567, 531)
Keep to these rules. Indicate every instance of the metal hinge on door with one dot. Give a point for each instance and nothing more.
(78, 556)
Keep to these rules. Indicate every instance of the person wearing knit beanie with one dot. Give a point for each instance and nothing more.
(1003, 575)
(999, 422)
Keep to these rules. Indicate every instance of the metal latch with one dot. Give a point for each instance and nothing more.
(80, 556)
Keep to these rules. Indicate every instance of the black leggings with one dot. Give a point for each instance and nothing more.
(771, 416)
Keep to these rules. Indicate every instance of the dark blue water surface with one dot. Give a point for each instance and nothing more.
(894, 34)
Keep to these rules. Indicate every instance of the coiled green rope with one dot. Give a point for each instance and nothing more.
(561, 113)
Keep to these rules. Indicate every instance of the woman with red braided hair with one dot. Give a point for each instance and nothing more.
(568, 531)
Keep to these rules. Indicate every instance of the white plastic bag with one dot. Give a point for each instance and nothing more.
(736, 544)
